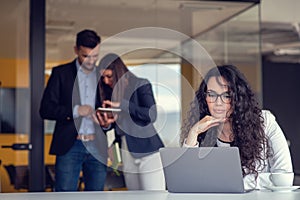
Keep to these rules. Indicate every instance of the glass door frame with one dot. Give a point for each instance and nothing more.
(37, 67)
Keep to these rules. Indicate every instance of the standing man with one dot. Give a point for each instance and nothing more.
(78, 142)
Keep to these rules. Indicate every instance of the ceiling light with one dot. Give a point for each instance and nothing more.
(62, 25)
(281, 52)
(198, 6)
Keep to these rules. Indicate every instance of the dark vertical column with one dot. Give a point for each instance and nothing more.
(281, 95)
(37, 65)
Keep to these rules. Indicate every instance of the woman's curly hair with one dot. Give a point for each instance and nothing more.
(246, 118)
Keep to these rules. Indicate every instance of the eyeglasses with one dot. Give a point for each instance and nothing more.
(212, 97)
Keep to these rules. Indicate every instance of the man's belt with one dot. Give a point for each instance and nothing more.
(86, 138)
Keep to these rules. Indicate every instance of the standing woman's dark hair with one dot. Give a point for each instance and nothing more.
(246, 118)
(120, 75)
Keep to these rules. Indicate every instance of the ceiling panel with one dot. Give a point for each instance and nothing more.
(109, 18)
(64, 18)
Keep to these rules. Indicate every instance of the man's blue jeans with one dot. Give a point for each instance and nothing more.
(68, 167)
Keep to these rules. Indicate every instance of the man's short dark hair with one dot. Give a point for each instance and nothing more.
(87, 38)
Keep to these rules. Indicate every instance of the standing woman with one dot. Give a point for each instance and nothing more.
(140, 142)
(226, 113)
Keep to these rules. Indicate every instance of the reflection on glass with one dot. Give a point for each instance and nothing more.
(237, 42)
(166, 83)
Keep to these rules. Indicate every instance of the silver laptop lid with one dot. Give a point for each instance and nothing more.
(203, 169)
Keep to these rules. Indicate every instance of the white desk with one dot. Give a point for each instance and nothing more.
(147, 195)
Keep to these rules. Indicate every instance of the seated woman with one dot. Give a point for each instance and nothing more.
(226, 113)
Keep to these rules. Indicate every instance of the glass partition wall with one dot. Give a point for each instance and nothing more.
(154, 38)
(237, 42)
(14, 93)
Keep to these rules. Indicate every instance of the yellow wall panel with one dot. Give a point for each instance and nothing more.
(9, 156)
(14, 73)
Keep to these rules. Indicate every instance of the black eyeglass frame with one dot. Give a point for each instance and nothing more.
(222, 96)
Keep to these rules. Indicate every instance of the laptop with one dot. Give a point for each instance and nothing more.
(203, 169)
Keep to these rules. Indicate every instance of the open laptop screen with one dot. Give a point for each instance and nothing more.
(203, 169)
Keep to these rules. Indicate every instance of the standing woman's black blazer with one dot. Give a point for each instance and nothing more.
(136, 119)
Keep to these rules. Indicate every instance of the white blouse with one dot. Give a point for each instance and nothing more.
(279, 162)
(281, 159)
